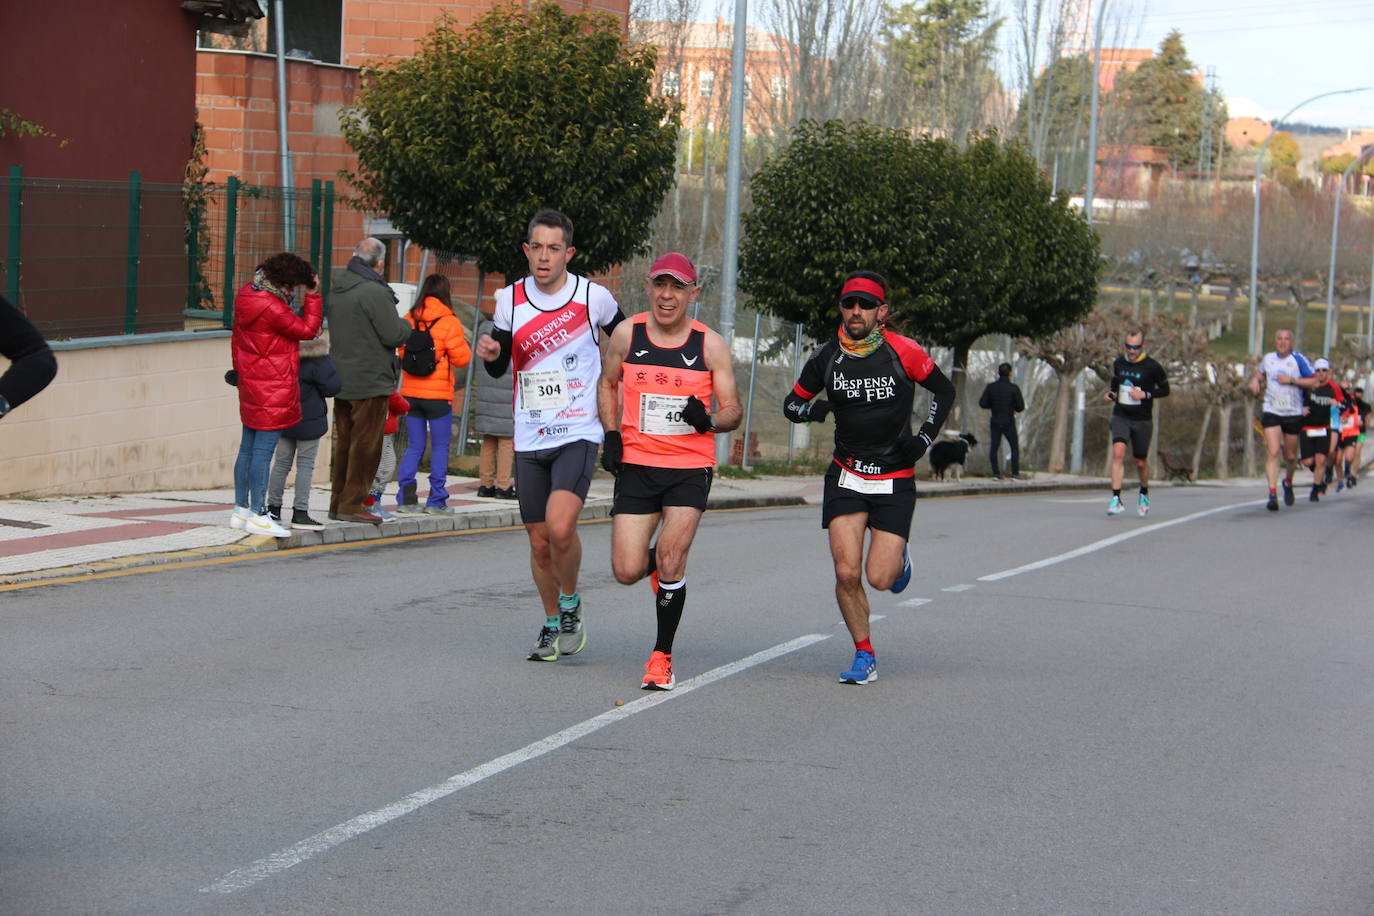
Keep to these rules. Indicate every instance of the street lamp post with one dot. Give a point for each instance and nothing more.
(1253, 344)
(1332, 311)
(1090, 185)
(733, 167)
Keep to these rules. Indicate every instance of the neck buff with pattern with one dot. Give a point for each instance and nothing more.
(1137, 358)
(863, 347)
(260, 281)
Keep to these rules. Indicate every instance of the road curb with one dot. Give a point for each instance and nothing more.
(596, 508)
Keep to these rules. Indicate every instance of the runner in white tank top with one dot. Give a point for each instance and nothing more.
(550, 325)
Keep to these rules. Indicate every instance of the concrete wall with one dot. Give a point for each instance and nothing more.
(126, 415)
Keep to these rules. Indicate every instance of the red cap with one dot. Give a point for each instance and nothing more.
(676, 266)
(862, 288)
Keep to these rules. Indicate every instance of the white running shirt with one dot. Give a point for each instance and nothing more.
(1279, 399)
(556, 356)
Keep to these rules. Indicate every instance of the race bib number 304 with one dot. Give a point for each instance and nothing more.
(545, 389)
(661, 415)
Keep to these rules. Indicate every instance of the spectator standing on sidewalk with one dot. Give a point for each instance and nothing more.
(430, 395)
(266, 351)
(494, 421)
(1003, 398)
(396, 407)
(301, 443)
(32, 365)
(364, 332)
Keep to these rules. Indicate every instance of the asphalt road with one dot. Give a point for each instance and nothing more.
(1175, 721)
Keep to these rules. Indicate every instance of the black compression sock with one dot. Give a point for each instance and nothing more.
(669, 603)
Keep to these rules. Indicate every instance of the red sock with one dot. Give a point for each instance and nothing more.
(865, 645)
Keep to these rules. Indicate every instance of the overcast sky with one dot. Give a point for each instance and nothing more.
(1269, 55)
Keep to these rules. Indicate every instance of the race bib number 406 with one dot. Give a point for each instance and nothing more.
(661, 415)
(545, 389)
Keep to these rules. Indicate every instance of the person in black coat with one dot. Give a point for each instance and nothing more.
(32, 365)
(1003, 399)
(301, 443)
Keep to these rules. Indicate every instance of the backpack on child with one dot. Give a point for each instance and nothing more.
(420, 358)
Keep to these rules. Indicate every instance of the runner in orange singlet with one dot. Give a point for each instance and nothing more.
(657, 380)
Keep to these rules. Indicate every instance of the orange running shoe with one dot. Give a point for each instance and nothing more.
(653, 582)
(658, 672)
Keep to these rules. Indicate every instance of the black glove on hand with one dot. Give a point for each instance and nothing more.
(817, 411)
(613, 452)
(913, 447)
(694, 413)
(232, 377)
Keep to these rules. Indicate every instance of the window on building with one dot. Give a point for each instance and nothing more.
(779, 87)
(706, 83)
(314, 31)
(672, 82)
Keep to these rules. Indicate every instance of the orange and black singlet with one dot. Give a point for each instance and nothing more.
(656, 382)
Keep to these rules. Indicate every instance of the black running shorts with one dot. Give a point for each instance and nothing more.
(1309, 445)
(539, 473)
(644, 490)
(889, 512)
(1136, 432)
(1291, 426)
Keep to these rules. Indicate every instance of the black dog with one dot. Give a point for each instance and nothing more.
(950, 454)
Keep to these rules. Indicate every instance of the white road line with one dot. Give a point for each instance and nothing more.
(874, 618)
(958, 588)
(1108, 542)
(913, 602)
(279, 861)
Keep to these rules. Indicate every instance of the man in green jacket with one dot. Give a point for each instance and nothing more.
(364, 332)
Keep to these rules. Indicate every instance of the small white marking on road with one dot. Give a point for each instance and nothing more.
(874, 618)
(1108, 542)
(913, 602)
(958, 588)
(1076, 499)
(246, 877)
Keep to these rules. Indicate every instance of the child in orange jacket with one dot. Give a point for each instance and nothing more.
(431, 398)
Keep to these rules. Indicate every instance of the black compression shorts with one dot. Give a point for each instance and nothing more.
(889, 512)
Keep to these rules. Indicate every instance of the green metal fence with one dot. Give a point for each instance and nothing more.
(98, 258)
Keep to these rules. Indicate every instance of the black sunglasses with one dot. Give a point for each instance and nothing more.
(1134, 346)
(856, 302)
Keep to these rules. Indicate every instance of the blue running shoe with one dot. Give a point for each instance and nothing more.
(863, 671)
(903, 577)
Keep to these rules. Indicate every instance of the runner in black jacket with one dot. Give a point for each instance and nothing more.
(869, 376)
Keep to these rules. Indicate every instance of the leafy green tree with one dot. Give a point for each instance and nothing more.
(943, 51)
(972, 242)
(527, 108)
(1164, 102)
(1063, 92)
(1281, 163)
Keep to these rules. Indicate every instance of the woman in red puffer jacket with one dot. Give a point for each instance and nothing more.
(266, 349)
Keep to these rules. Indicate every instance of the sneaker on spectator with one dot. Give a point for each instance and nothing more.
(438, 510)
(265, 524)
(239, 517)
(301, 519)
(507, 493)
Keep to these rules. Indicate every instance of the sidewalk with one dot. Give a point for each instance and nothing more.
(61, 537)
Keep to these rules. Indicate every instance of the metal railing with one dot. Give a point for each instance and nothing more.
(103, 258)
